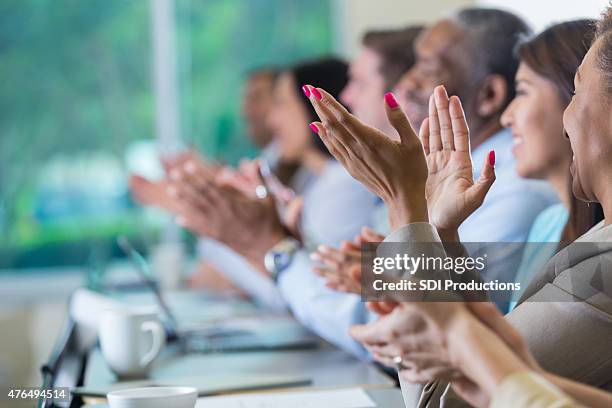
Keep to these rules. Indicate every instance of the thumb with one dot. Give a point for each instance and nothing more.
(479, 190)
(397, 118)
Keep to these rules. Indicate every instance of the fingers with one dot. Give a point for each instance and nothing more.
(382, 308)
(459, 124)
(333, 143)
(444, 119)
(337, 121)
(478, 192)
(327, 103)
(435, 139)
(397, 118)
(424, 135)
(369, 235)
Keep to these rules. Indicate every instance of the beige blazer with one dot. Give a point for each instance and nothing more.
(565, 314)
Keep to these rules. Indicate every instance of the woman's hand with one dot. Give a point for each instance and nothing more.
(417, 333)
(395, 171)
(452, 195)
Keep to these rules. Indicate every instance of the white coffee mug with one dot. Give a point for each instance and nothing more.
(153, 397)
(130, 340)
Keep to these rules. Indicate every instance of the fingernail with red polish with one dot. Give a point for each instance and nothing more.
(314, 128)
(390, 100)
(317, 94)
(492, 158)
(306, 91)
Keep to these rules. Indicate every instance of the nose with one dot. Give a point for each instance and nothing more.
(506, 117)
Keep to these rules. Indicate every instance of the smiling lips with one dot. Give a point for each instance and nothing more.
(516, 142)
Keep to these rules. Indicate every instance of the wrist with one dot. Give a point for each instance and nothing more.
(448, 234)
(407, 208)
(264, 243)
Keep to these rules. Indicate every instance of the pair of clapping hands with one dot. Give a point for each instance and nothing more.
(238, 207)
(424, 178)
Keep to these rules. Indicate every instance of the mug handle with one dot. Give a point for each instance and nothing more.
(159, 340)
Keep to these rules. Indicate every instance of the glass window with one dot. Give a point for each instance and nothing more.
(78, 109)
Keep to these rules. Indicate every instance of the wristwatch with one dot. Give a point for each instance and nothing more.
(280, 256)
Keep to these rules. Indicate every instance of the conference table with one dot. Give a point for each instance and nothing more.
(322, 368)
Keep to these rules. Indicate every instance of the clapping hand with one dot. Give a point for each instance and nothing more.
(452, 195)
(341, 267)
(395, 171)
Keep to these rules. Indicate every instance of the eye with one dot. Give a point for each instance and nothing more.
(521, 92)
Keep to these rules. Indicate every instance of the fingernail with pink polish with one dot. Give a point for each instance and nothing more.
(492, 158)
(316, 93)
(306, 91)
(314, 128)
(390, 100)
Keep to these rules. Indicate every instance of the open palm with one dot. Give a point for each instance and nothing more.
(452, 195)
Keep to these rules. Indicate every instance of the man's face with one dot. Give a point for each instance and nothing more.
(365, 90)
(438, 62)
(256, 104)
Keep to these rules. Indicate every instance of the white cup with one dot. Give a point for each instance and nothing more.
(126, 347)
(153, 397)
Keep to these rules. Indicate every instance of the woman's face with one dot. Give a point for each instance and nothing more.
(535, 117)
(289, 120)
(588, 124)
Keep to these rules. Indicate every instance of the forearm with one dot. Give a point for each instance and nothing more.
(480, 354)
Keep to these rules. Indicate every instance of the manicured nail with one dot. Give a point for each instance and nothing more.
(316, 93)
(306, 91)
(390, 100)
(492, 158)
(314, 128)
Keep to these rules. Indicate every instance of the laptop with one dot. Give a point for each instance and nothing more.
(264, 332)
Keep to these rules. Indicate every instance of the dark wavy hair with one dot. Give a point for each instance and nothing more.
(329, 73)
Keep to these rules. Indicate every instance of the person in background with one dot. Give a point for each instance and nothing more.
(472, 54)
(258, 87)
(544, 84)
(564, 315)
(384, 57)
(334, 206)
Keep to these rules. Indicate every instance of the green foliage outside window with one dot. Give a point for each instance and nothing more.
(77, 94)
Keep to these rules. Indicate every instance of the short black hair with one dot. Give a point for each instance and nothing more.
(396, 50)
(494, 34)
(329, 73)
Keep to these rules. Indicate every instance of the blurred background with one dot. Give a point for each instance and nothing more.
(93, 90)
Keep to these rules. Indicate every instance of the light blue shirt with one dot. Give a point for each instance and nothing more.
(336, 207)
(545, 235)
(507, 213)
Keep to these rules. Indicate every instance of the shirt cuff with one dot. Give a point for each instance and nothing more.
(528, 389)
(415, 232)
